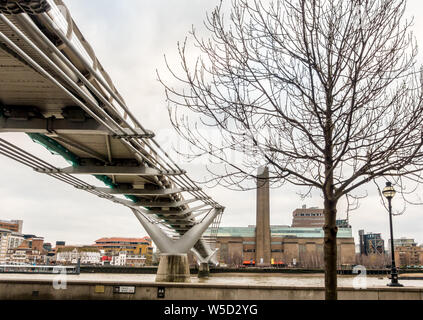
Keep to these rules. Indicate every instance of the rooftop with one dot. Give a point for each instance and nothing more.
(105, 240)
(12, 232)
(280, 231)
(10, 221)
(79, 249)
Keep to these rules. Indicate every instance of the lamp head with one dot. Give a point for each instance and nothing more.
(389, 191)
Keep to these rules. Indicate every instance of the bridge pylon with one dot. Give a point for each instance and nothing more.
(174, 266)
(204, 263)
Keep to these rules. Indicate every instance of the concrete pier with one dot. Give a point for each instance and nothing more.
(173, 268)
(204, 270)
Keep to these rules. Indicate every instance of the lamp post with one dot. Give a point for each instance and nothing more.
(389, 193)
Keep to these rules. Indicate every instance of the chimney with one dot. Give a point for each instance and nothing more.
(263, 233)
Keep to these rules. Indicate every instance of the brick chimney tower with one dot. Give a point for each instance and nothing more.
(263, 246)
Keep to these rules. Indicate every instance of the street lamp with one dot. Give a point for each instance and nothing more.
(389, 193)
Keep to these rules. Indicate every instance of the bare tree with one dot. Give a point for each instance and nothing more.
(325, 93)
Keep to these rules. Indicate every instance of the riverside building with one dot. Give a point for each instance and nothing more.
(371, 243)
(12, 225)
(131, 246)
(71, 255)
(288, 246)
(265, 245)
(408, 253)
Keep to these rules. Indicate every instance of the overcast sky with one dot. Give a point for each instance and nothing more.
(130, 38)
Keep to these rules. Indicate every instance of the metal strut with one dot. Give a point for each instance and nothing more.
(182, 245)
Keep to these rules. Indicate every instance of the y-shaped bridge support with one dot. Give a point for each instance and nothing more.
(203, 263)
(174, 265)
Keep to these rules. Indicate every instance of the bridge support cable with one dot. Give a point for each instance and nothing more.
(63, 37)
(69, 44)
(155, 165)
(116, 170)
(41, 166)
(124, 131)
(46, 18)
(142, 192)
(112, 125)
(161, 204)
(104, 192)
(33, 29)
(40, 69)
(58, 126)
(183, 212)
(68, 80)
(15, 153)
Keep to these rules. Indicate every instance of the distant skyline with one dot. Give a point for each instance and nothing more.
(130, 39)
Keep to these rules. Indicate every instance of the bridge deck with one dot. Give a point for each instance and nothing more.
(53, 87)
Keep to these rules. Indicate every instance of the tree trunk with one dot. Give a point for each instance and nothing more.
(330, 249)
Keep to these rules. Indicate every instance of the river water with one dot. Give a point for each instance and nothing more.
(296, 280)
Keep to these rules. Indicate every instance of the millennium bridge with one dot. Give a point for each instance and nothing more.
(54, 89)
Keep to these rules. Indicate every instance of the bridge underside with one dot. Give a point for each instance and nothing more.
(53, 88)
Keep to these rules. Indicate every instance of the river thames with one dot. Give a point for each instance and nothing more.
(288, 280)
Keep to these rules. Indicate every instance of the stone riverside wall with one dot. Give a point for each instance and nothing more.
(78, 290)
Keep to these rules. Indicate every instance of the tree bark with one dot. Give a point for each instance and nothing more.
(330, 249)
